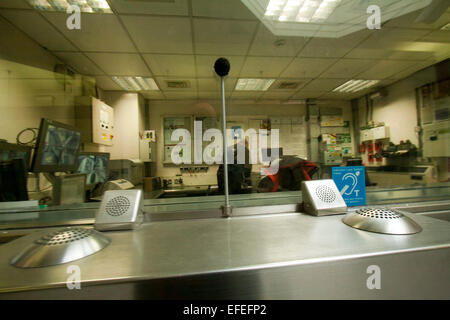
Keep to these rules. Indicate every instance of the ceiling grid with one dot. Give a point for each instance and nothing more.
(180, 40)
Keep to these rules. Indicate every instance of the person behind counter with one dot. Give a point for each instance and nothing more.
(238, 174)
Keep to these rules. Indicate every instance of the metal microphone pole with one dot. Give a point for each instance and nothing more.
(222, 67)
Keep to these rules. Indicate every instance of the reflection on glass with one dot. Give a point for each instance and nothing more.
(60, 146)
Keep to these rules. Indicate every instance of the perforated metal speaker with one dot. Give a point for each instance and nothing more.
(381, 220)
(322, 197)
(118, 206)
(120, 210)
(61, 246)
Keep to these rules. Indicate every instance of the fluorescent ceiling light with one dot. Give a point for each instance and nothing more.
(300, 10)
(326, 18)
(136, 83)
(254, 84)
(356, 85)
(92, 6)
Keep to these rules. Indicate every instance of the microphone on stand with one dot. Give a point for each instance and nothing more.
(222, 68)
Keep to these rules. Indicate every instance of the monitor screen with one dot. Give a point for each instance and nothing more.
(95, 166)
(57, 147)
(9, 151)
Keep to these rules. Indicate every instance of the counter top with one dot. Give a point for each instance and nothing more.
(196, 247)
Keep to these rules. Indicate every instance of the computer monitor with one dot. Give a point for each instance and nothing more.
(13, 186)
(95, 166)
(57, 147)
(9, 151)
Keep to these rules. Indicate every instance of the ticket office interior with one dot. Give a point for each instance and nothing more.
(397, 129)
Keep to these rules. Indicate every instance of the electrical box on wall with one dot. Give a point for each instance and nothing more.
(436, 139)
(95, 119)
(147, 146)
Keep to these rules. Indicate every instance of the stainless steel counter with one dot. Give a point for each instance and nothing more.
(287, 256)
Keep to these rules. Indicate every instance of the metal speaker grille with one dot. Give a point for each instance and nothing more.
(60, 246)
(325, 193)
(63, 237)
(118, 206)
(379, 213)
(381, 220)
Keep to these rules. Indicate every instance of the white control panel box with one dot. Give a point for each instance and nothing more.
(374, 134)
(95, 119)
(436, 139)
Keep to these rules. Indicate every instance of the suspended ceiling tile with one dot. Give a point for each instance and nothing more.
(333, 47)
(307, 67)
(16, 4)
(107, 84)
(280, 85)
(236, 95)
(399, 34)
(392, 38)
(369, 53)
(267, 44)
(323, 84)
(162, 83)
(180, 95)
(171, 65)
(228, 9)
(282, 95)
(205, 65)
(120, 64)
(408, 21)
(99, 32)
(437, 36)
(164, 7)
(160, 34)
(304, 94)
(153, 95)
(223, 37)
(30, 22)
(214, 84)
(410, 55)
(79, 62)
(14, 70)
(386, 69)
(28, 49)
(411, 70)
(264, 66)
(348, 68)
(343, 96)
(211, 95)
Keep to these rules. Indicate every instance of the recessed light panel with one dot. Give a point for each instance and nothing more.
(356, 85)
(326, 18)
(136, 83)
(254, 84)
(301, 10)
(91, 6)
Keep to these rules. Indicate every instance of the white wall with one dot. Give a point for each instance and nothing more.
(128, 123)
(398, 109)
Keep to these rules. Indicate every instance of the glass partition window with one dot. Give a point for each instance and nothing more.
(127, 96)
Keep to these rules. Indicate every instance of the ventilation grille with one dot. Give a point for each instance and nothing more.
(379, 213)
(178, 84)
(118, 206)
(63, 237)
(326, 194)
(288, 85)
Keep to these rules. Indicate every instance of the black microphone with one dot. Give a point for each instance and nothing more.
(222, 67)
